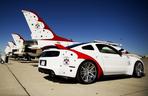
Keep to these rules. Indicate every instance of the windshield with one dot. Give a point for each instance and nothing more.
(50, 54)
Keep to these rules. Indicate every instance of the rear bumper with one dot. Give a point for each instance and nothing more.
(66, 71)
(46, 71)
(57, 66)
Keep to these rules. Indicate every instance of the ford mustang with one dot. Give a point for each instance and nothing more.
(87, 62)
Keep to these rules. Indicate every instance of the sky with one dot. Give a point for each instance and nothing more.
(121, 21)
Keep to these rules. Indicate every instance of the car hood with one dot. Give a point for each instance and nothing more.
(134, 55)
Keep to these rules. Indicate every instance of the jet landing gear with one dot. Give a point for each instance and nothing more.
(28, 58)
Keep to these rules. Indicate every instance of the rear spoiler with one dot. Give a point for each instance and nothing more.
(107, 42)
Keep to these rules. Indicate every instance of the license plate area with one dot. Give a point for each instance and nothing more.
(43, 62)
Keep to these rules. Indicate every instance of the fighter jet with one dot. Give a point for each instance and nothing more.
(42, 35)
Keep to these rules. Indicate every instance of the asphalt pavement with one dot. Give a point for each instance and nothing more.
(21, 78)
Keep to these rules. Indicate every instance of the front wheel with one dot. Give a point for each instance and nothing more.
(87, 72)
(138, 70)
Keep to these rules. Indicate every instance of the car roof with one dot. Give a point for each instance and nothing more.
(96, 42)
(115, 45)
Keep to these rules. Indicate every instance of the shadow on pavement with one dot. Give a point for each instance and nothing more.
(35, 65)
(65, 80)
(29, 61)
(113, 77)
(59, 79)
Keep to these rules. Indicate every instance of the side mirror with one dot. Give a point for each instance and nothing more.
(120, 52)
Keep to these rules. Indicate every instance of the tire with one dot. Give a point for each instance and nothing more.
(1, 61)
(138, 70)
(87, 72)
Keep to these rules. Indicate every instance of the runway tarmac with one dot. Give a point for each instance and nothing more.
(20, 78)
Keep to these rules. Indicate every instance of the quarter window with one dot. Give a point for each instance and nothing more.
(88, 47)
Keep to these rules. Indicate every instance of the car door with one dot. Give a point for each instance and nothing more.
(114, 63)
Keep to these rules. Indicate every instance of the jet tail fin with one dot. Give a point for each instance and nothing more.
(12, 45)
(7, 50)
(39, 29)
(18, 39)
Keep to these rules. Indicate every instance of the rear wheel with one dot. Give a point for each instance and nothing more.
(87, 72)
(138, 70)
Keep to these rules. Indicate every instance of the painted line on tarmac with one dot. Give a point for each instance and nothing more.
(18, 80)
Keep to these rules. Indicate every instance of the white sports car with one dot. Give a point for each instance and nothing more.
(89, 61)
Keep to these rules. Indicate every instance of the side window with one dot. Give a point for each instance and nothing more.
(88, 47)
(106, 49)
